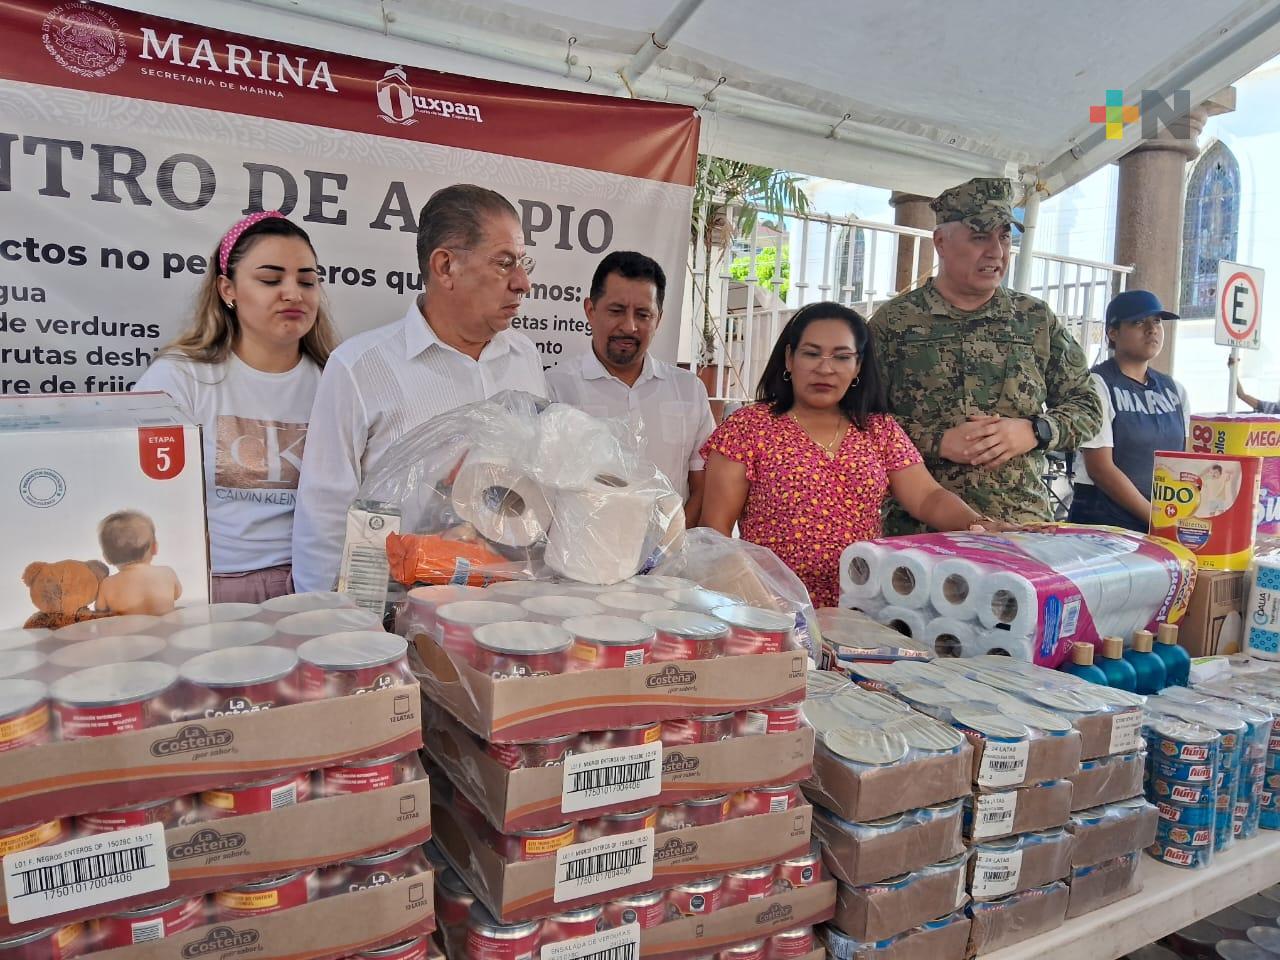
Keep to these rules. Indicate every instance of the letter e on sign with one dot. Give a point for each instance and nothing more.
(162, 451)
(1239, 306)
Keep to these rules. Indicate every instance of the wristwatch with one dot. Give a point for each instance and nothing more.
(1043, 430)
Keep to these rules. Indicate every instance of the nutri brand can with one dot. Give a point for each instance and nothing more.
(458, 622)
(695, 813)
(749, 883)
(756, 630)
(97, 653)
(763, 720)
(751, 950)
(257, 797)
(1177, 771)
(453, 899)
(24, 714)
(802, 871)
(533, 753)
(1195, 794)
(1186, 815)
(1176, 856)
(773, 799)
(375, 871)
(789, 944)
(572, 924)
(241, 680)
(115, 698)
(169, 813)
(609, 642)
(521, 648)
(681, 635)
(32, 835)
(361, 776)
(538, 844)
(320, 623)
(699, 897)
(487, 939)
(55, 943)
(149, 923)
(342, 664)
(207, 637)
(632, 603)
(646, 909)
(1182, 835)
(416, 948)
(711, 728)
(558, 609)
(264, 896)
(1188, 743)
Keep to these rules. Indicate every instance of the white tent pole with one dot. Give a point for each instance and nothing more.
(658, 40)
(1022, 269)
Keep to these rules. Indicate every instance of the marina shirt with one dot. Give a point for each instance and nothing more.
(376, 387)
(667, 407)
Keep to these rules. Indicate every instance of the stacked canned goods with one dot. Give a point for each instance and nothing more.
(1183, 769)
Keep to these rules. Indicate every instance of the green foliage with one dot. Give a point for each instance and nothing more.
(766, 268)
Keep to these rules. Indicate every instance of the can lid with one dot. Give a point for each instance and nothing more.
(93, 653)
(210, 613)
(302, 602)
(437, 594)
(19, 638)
(1142, 640)
(509, 591)
(564, 607)
(317, 623)
(114, 683)
(220, 636)
(19, 696)
(239, 666)
(17, 662)
(869, 747)
(634, 602)
(656, 581)
(1113, 648)
(523, 637)
(1167, 633)
(755, 618)
(1082, 654)
(106, 627)
(990, 724)
(353, 650)
(692, 626)
(609, 630)
(700, 599)
(477, 613)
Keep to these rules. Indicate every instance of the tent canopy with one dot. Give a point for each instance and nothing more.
(912, 95)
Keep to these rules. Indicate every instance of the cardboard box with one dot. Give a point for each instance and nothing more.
(1120, 830)
(66, 464)
(1208, 503)
(947, 939)
(321, 930)
(533, 708)
(220, 854)
(1107, 780)
(1048, 758)
(876, 855)
(102, 773)
(1002, 923)
(861, 794)
(990, 816)
(523, 799)
(879, 911)
(523, 890)
(1214, 624)
(1096, 886)
(1002, 867)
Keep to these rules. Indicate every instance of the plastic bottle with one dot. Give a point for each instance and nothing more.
(1119, 673)
(1177, 662)
(1082, 666)
(1148, 668)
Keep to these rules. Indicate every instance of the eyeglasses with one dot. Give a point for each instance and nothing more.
(506, 263)
(841, 358)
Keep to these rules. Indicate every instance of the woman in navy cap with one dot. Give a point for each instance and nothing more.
(1143, 411)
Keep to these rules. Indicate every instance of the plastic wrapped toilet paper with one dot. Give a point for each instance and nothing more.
(908, 622)
(501, 501)
(907, 579)
(1009, 602)
(954, 592)
(950, 637)
(1262, 614)
(599, 530)
(575, 447)
(862, 568)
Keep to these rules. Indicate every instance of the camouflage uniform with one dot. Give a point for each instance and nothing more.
(1010, 357)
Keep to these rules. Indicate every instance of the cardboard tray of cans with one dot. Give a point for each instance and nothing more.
(1108, 780)
(1001, 867)
(990, 816)
(1095, 886)
(875, 757)
(124, 710)
(520, 671)
(349, 925)
(1018, 917)
(943, 939)
(230, 853)
(878, 911)
(524, 786)
(862, 853)
(1104, 832)
(522, 889)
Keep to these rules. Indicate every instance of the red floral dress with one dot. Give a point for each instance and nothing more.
(804, 506)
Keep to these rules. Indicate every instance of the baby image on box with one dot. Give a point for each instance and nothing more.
(128, 540)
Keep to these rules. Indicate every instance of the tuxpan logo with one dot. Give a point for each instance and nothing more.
(400, 105)
(83, 39)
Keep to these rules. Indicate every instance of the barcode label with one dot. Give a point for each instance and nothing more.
(609, 777)
(364, 570)
(85, 873)
(993, 814)
(285, 796)
(620, 943)
(598, 866)
(1070, 619)
(144, 931)
(1126, 731)
(995, 873)
(1003, 764)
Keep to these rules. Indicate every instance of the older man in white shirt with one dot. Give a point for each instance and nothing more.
(453, 346)
(617, 377)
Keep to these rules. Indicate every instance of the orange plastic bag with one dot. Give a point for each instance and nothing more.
(430, 558)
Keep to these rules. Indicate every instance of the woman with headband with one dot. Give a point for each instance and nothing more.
(246, 370)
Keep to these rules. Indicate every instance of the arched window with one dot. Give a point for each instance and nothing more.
(1210, 228)
(850, 265)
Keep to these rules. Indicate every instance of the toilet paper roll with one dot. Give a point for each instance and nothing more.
(950, 637)
(598, 532)
(999, 643)
(908, 622)
(1009, 602)
(501, 501)
(1262, 615)
(868, 605)
(574, 448)
(907, 578)
(862, 568)
(955, 587)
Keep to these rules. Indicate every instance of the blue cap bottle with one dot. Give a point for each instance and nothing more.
(1119, 673)
(1177, 662)
(1081, 664)
(1148, 668)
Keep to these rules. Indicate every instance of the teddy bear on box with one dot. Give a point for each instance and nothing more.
(63, 592)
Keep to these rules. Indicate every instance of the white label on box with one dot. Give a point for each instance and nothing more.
(603, 778)
(1003, 764)
(620, 943)
(995, 873)
(1126, 731)
(1070, 619)
(598, 866)
(993, 813)
(85, 873)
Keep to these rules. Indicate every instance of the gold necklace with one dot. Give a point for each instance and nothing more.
(828, 448)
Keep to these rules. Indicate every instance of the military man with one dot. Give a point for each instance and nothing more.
(983, 379)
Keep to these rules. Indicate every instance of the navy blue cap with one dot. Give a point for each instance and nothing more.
(1134, 305)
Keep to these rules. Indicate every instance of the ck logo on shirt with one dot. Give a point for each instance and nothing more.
(258, 454)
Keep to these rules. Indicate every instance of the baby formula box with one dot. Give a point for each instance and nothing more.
(1207, 503)
(1246, 435)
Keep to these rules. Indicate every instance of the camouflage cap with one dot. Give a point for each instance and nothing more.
(984, 203)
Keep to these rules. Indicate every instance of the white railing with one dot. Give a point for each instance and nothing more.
(855, 262)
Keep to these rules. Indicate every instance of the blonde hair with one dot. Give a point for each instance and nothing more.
(126, 536)
(215, 327)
